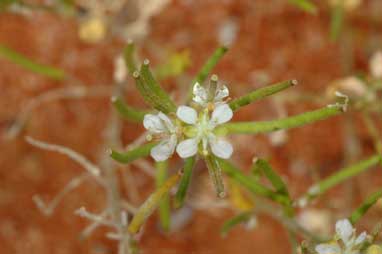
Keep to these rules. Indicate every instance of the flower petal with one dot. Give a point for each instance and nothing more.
(361, 238)
(164, 149)
(344, 229)
(220, 147)
(328, 248)
(153, 123)
(187, 148)
(221, 93)
(167, 122)
(222, 114)
(187, 114)
(200, 94)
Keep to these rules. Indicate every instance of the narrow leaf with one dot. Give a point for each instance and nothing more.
(128, 56)
(207, 67)
(133, 154)
(260, 94)
(231, 223)
(164, 204)
(339, 177)
(275, 125)
(365, 206)
(149, 206)
(336, 21)
(127, 112)
(29, 64)
(184, 182)
(304, 5)
(250, 183)
(214, 171)
(273, 177)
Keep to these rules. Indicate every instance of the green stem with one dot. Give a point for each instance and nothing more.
(127, 112)
(365, 206)
(261, 93)
(29, 64)
(207, 67)
(184, 182)
(336, 22)
(251, 184)
(285, 123)
(136, 153)
(215, 173)
(339, 177)
(128, 55)
(231, 223)
(149, 206)
(164, 204)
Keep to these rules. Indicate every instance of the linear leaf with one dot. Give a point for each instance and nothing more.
(133, 154)
(231, 223)
(128, 112)
(164, 204)
(184, 182)
(149, 206)
(304, 5)
(365, 206)
(260, 94)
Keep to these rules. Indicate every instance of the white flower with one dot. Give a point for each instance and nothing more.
(202, 131)
(350, 243)
(160, 125)
(201, 95)
(376, 65)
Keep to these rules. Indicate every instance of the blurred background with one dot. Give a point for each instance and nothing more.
(324, 48)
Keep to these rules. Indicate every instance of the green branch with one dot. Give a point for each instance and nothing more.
(285, 123)
(127, 112)
(29, 64)
(133, 154)
(260, 94)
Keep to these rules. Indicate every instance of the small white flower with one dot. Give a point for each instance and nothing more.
(350, 243)
(162, 126)
(201, 95)
(202, 131)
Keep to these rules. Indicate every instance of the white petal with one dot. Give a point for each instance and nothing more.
(328, 248)
(164, 149)
(344, 229)
(221, 93)
(222, 114)
(187, 114)
(153, 123)
(361, 238)
(167, 122)
(187, 148)
(220, 147)
(200, 94)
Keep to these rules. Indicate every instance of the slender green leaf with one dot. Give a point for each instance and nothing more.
(304, 5)
(273, 177)
(128, 55)
(365, 206)
(340, 176)
(336, 21)
(231, 223)
(151, 91)
(127, 112)
(250, 183)
(133, 154)
(164, 204)
(29, 64)
(215, 173)
(207, 67)
(260, 94)
(149, 206)
(184, 182)
(275, 125)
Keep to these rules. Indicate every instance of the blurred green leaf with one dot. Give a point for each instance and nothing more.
(29, 64)
(304, 5)
(149, 206)
(127, 112)
(336, 21)
(164, 204)
(365, 206)
(176, 64)
(133, 154)
(184, 182)
(231, 223)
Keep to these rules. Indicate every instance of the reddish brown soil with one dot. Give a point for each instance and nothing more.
(274, 38)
